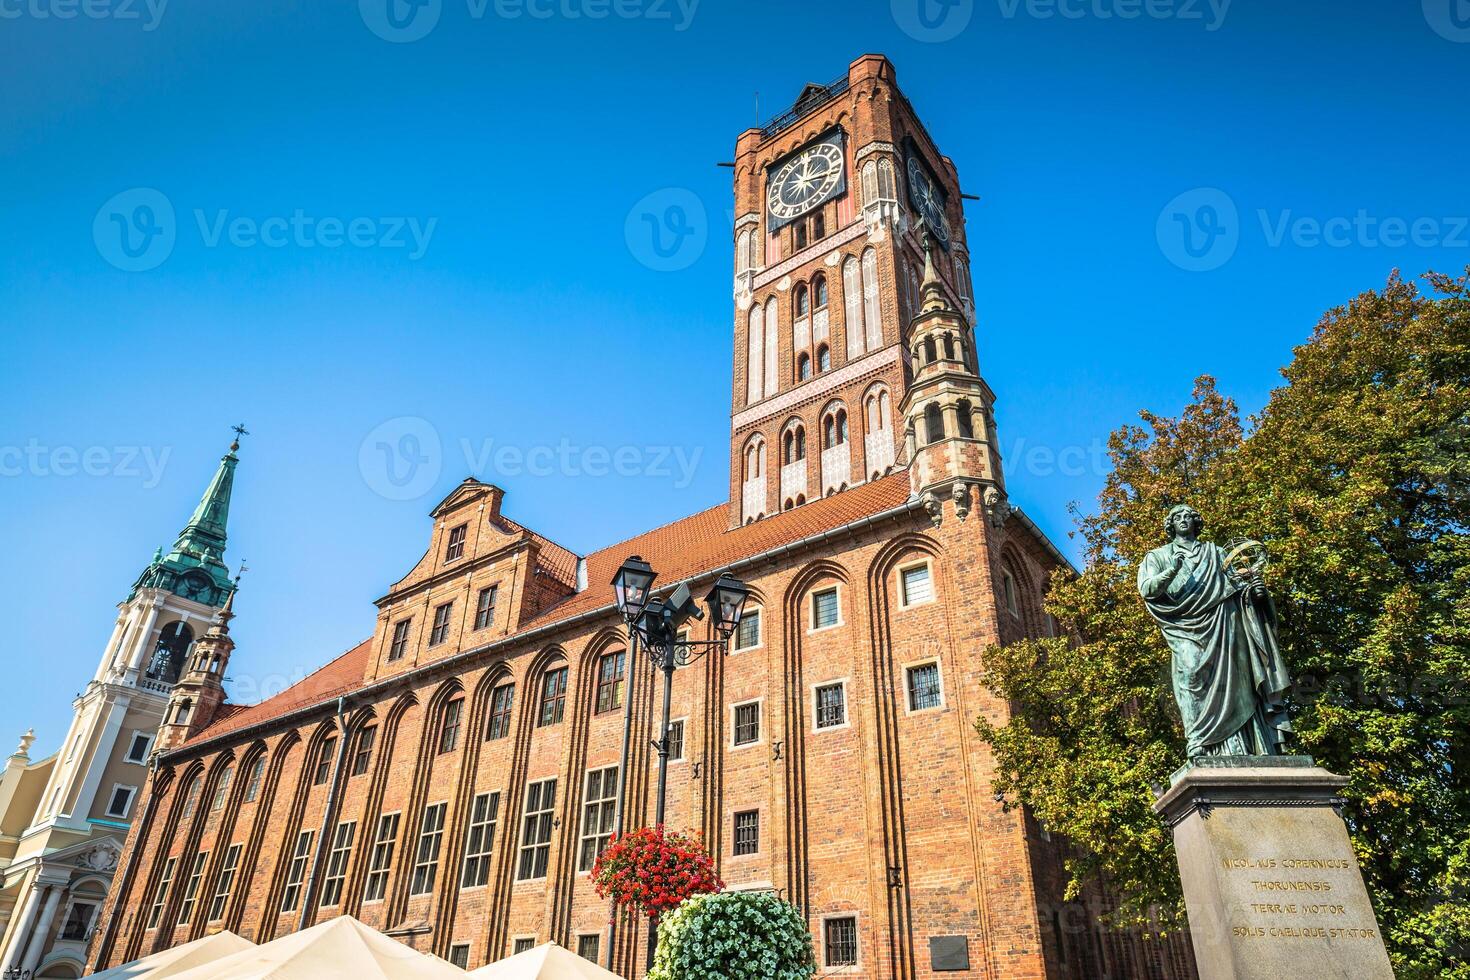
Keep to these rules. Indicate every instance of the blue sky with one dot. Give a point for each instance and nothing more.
(384, 242)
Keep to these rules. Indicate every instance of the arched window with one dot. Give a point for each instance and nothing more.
(800, 499)
(949, 347)
(834, 428)
(743, 261)
(841, 426)
(967, 427)
(795, 445)
(824, 358)
(886, 187)
(755, 460)
(930, 354)
(173, 645)
(933, 423)
(870, 182)
(800, 235)
(802, 301)
(755, 354)
(770, 372)
(803, 367)
(852, 303)
(872, 309)
(819, 292)
(819, 225)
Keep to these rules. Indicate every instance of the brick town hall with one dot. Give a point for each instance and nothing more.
(450, 780)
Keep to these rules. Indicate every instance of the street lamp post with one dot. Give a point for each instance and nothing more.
(655, 623)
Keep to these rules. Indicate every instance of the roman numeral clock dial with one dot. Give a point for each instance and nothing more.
(928, 201)
(810, 178)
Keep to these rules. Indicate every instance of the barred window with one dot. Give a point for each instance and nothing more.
(484, 812)
(191, 888)
(400, 640)
(226, 882)
(589, 946)
(553, 697)
(440, 631)
(536, 830)
(840, 941)
(362, 758)
(160, 894)
(426, 857)
(747, 723)
(598, 806)
(747, 832)
(523, 944)
(296, 870)
(382, 862)
(924, 687)
(456, 543)
(500, 704)
(459, 955)
(485, 607)
(831, 706)
(610, 681)
(449, 726)
(676, 740)
(337, 863)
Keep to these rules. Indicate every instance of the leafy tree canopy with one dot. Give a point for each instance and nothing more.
(1356, 477)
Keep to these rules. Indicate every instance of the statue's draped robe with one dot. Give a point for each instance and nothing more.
(1229, 678)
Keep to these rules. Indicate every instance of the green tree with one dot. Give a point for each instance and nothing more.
(1356, 476)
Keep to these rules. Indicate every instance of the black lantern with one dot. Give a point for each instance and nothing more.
(726, 601)
(632, 585)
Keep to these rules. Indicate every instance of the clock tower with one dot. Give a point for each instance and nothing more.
(833, 199)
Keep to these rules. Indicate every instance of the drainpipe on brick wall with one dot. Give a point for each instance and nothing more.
(324, 843)
(125, 879)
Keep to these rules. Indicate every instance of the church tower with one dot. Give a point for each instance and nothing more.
(829, 199)
(76, 824)
(201, 689)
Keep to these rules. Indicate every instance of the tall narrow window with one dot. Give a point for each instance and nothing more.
(747, 832)
(191, 887)
(1008, 591)
(426, 856)
(440, 631)
(456, 543)
(160, 894)
(449, 725)
(222, 788)
(755, 355)
(747, 723)
(966, 420)
(824, 358)
(598, 805)
(253, 781)
(748, 633)
(382, 862)
(337, 860)
(138, 750)
(872, 304)
(933, 423)
(226, 883)
(536, 830)
(772, 346)
(324, 760)
(553, 697)
(399, 645)
(839, 939)
(480, 842)
(610, 681)
(485, 607)
(362, 758)
(923, 685)
(121, 802)
(500, 705)
(803, 367)
(676, 740)
(296, 871)
(191, 797)
(852, 308)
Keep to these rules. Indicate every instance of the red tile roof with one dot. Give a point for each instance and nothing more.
(693, 546)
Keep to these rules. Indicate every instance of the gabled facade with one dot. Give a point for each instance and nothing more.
(450, 779)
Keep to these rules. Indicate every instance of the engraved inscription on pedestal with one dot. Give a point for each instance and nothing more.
(1271, 883)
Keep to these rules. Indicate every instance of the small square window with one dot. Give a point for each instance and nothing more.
(459, 955)
(923, 687)
(831, 702)
(589, 946)
(824, 608)
(747, 723)
(456, 543)
(121, 802)
(748, 633)
(138, 749)
(523, 944)
(839, 940)
(747, 832)
(915, 586)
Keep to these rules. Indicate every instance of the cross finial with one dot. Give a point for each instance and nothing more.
(239, 431)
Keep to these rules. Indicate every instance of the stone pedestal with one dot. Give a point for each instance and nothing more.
(1271, 884)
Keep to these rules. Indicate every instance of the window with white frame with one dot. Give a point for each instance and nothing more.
(138, 748)
(382, 861)
(536, 830)
(747, 723)
(923, 686)
(522, 944)
(459, 955)
(748, 633)
(598, 804)
(826, 610)
(296, 871)
(225, 884)
(915, 586)
(337, 859)
(747, 832)
(426, 855)
(589, 946)
(78, 921)
(160, 894)
(121, 800)
(676, 740)
(839, 941)
(480, 842)
(831, 705)
(191, 888)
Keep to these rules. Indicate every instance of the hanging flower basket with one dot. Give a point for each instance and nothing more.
(652, 871)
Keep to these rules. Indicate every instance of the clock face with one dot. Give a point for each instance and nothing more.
(928, 201)
(804, 181)
(194, 586)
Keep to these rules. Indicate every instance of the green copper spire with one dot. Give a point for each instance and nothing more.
(194, 568)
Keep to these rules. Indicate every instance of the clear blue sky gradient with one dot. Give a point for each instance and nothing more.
(534, 315)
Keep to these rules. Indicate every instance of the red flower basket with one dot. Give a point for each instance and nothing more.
(653, 871)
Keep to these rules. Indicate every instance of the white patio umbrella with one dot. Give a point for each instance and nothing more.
(338, 948)
(546, 962)
(172, 962)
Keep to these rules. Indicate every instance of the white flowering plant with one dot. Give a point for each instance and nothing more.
(752, 935)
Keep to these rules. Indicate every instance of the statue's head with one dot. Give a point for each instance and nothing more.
(1183, 518)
